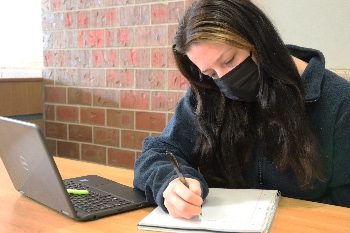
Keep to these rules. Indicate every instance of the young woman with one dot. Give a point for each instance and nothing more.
(258, 114)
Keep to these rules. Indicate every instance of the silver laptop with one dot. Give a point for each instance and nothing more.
(34, 173)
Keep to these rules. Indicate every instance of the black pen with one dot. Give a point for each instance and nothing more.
(176, 167)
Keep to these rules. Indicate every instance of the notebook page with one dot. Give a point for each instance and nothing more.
(229, 210)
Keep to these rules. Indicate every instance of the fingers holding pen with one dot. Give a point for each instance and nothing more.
(182, 201)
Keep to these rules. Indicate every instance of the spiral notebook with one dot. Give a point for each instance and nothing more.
(224, 210)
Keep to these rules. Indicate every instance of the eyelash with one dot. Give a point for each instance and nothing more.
(229, 61)
(213, 75)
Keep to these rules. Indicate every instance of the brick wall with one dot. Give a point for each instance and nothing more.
(109, 77)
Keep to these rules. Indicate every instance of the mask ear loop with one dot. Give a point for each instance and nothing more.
(251, 53)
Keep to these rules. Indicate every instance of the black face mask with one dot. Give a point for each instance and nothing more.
(242, 82)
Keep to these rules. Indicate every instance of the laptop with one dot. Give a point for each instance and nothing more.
(34, 173)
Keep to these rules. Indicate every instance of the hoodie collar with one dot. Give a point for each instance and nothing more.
(313, 74)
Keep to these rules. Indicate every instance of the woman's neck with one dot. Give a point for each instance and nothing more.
(300, 64)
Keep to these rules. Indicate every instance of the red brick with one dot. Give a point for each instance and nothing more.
(97, 58)
(106, 98)
(96, 38)
(159, 57)
(83, 37)
(105, 58)
(67, 77)
(93, 116)
(177, 81)
(78, 58)
(92, 77)
(117, 2)
(167, 13)
(50, 112)
(119, 37)
(97, 78)
(55, 95)
(160, 13)
(120, 119)
(59, 59)
(58, 39)
(135, 15)
(92, 153)
(120, 78)
(70, 5)
(58, 23)
(135, 58)
(68, 150)
(111, 17)
(93, 3)
(70, 39)
(67, 114)
(47, 20)
(84, 77)
(165, 101)
(70, 20)
(106, 136)
(111, 57)
(160, 101)
(110, 37)
(151, 36)
(98, 18)
(80, 133)
(150, 121)
(150, 79)
(46, 6)
(48, 58)
(125, 37)
(60, 77)
(56, 130)
(135, 99)
(133, 139)
(57, 5)
(176, 10)
(83, 4)
(104, 18)
(47, 40)
(83, 19)
(122, 158)
(79, 96)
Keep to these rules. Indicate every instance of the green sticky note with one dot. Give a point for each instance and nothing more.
(77, 191)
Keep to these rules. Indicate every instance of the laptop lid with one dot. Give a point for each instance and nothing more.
(34, 173)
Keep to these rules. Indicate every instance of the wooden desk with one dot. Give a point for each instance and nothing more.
(20, 214)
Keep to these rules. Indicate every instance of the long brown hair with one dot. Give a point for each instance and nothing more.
(231, 132)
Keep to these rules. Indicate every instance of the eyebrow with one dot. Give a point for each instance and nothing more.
(206, 70)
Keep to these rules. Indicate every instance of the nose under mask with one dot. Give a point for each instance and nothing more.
(242, 82)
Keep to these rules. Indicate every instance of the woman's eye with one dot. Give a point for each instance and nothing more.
(228, 62)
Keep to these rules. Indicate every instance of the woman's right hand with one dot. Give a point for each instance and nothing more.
(183, 202)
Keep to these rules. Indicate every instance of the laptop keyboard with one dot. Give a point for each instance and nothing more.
(93, 201)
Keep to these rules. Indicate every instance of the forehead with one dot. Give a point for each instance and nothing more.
(205, 53)
(206, 47)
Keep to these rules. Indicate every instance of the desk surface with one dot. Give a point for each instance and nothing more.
(20, 214)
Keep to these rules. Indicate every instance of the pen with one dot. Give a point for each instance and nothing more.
(77, 191)
(176, 167)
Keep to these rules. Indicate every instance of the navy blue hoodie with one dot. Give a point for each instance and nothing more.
(327, 101)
